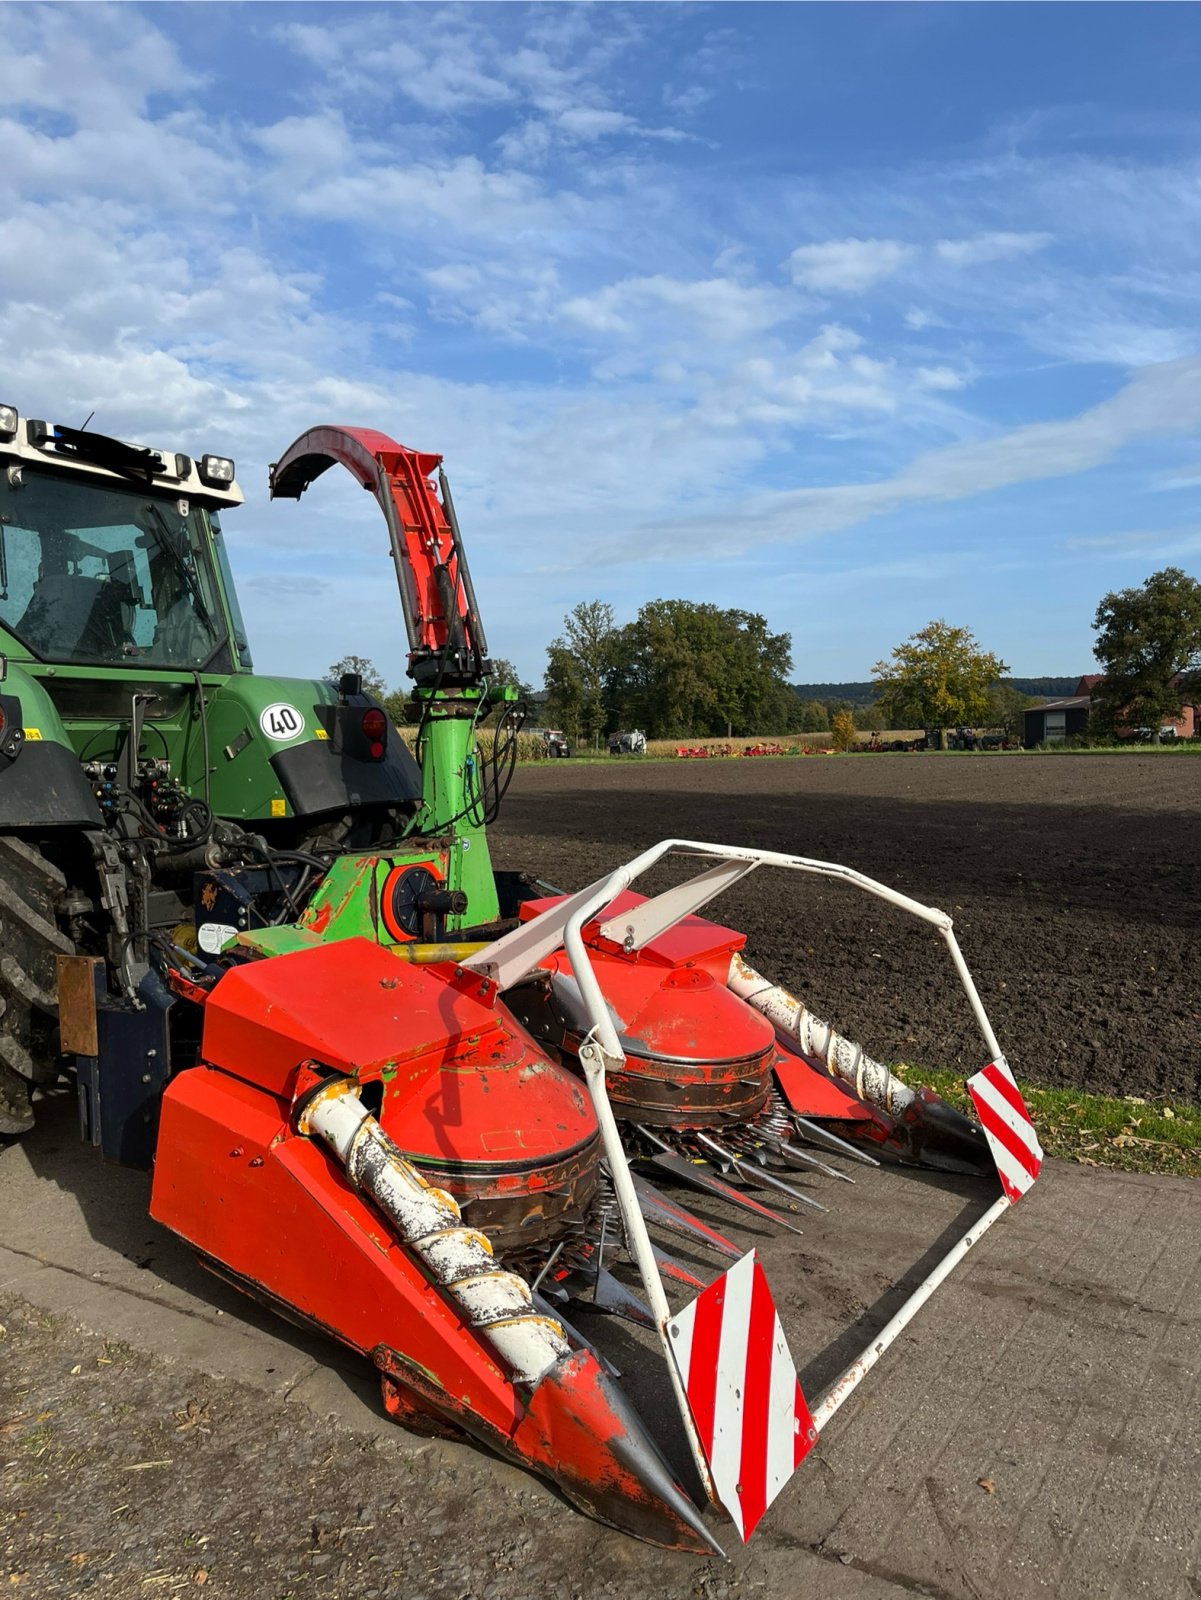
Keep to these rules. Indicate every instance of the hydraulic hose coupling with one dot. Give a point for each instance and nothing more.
(496, 1303)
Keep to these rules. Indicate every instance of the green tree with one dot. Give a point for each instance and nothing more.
(939, 678)
(814, 718)
(1006, 709)
(683, 669)
(373, 679)
(1149, 648)
(870, 719)
(578, 666)
(503, 671)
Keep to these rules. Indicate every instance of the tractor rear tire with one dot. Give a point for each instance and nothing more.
(31, 888)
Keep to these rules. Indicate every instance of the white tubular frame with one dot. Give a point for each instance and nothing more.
(521, 952)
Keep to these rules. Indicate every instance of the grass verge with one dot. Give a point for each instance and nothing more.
(1131, 1133)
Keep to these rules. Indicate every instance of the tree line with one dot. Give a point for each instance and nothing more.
(686, 670)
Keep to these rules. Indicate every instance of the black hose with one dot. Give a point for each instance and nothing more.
(204, 737)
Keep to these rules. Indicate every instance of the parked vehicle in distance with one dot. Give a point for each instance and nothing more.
(632, 743)
(554, 739)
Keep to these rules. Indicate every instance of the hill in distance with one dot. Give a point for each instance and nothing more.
(863, 694)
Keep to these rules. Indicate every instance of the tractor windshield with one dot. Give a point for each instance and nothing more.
(101, 573)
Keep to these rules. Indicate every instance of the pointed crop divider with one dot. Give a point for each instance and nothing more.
(657, 1209)
(754, 1173)
(791, 1156)
(700, 1176)
(669, 1267)
(698, 1173)
(611, 1295)
(831, 1141)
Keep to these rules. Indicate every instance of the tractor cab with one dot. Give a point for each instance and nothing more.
(112, 556)
(124, 663)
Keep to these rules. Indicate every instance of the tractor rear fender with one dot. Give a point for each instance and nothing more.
(283, 753)
(41, 781)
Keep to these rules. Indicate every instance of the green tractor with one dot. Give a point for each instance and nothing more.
(153, 788)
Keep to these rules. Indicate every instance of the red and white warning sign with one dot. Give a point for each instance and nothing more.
(742, 1388)
(1007, 1127)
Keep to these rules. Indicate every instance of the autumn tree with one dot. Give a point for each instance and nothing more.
(1149, 648)
(842, 730)
(939, 678)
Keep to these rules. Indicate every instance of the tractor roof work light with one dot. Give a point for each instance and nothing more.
(8, 422)
(216, 471)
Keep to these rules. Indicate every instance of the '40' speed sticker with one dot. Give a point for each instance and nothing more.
(281, 721)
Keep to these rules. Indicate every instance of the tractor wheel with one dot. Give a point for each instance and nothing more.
(30, 939)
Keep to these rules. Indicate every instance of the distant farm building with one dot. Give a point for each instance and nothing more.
(1057, 720)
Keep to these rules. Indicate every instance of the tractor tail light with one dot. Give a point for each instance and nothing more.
(375, 729)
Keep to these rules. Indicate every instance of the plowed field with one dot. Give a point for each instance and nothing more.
(1074, 882)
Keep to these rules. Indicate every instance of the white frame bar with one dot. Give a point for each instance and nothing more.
(521, 952)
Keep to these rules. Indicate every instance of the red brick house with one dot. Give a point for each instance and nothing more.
(1185, 726)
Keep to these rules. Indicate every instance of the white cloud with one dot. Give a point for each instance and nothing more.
(1152, 544)
(847, 266)
(475, 236)
(939, 378)
(719, 309)
(1083, 333)
(985, 247)
(461, 197)
(1183, 478)
(828, 378)
(1157, 401)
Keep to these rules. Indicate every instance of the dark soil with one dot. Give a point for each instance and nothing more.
(1075, 884)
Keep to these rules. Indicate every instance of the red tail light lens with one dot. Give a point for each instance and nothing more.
(375, 729)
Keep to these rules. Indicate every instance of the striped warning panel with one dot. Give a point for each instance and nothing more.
(742, 1388)
(1007, 1127)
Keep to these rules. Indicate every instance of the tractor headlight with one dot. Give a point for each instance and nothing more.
(217, 471)
(8, 422)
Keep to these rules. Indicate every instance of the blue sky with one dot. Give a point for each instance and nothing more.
(853, 315)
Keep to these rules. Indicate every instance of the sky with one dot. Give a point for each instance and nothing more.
(852, 315)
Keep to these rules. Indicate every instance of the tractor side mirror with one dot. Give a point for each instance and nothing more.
(350, 683)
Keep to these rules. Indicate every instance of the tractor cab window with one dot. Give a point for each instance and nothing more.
(231, 593)
(105, 574)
